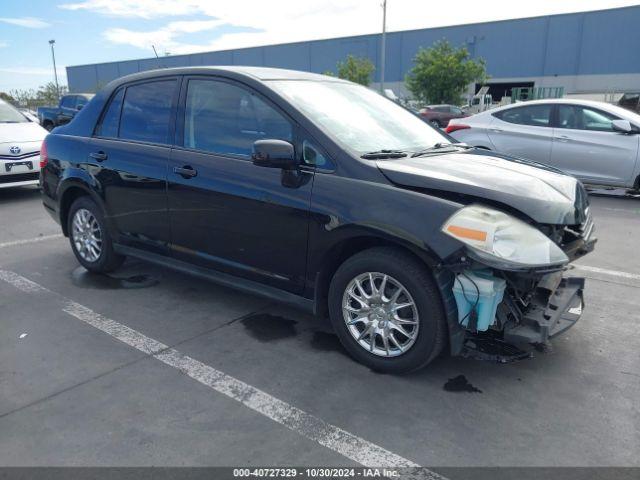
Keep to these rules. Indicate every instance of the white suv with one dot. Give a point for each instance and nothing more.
(20, 141)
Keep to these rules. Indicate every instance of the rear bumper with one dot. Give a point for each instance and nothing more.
(541, 323)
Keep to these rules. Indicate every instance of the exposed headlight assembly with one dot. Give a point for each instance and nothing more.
(502, 241)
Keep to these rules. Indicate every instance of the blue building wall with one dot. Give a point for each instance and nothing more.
(587, 43)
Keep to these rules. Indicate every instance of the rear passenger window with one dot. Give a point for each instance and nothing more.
(108, 127)
(534, 115)
(146, 112)
(224, 118)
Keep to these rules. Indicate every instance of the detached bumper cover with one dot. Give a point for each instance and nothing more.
(541, 323)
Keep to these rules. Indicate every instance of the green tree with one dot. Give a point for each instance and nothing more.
(24, 97)
(48, 94)
(355, 69)
(7, 98)
(442, 73)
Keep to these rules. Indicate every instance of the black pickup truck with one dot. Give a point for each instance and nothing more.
(51, 117)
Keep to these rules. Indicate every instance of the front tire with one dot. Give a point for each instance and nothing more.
(387, 310)
(89, 237)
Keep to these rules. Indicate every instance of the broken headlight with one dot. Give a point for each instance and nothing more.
(502, 241)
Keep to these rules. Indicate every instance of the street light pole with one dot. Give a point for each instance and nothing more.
(55, 71)
(383, 46)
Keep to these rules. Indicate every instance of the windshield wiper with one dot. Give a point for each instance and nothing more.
(379, 154)
(438, 147)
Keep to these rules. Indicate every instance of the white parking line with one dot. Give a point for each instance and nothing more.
(604, 271)
(347, 444)
(20, 282)
(30, 240)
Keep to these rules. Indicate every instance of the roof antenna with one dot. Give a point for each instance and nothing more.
(154, 50)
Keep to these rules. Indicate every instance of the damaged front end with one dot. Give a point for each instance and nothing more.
(507, 288)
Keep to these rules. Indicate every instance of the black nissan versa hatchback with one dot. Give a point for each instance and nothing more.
(321, 193)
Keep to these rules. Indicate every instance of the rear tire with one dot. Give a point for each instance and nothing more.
(89, 237)
(418, 329)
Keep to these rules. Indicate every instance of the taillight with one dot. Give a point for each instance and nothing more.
(457, 126)
(44, 159)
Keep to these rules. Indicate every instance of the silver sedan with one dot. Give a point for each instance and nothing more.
(594, 141)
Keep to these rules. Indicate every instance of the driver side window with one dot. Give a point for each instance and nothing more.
(224, 118)
(583, 118)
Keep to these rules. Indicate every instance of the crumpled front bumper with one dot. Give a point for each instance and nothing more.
(542, 322)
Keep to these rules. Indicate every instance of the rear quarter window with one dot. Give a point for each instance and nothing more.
(108, 126)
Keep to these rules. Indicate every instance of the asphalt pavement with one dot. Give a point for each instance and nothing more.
(153, 367)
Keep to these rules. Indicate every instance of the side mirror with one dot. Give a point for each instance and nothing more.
(623, 126)
(274, 154)
(79, 107)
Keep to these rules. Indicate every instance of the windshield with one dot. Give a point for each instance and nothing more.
(8, 114)
(358, 118)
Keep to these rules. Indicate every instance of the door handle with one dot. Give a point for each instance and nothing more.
(562, 138)
(99, 156)
(495, 130)
(186, 172)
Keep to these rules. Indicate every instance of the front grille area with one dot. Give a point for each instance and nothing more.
(19, 177)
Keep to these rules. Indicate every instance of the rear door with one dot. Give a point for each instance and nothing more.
(226, 213)
(586, 146)
(129, 153)
(524, 131)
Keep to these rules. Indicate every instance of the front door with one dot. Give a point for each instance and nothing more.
(129, 154)
(586, 146)
(225, 212)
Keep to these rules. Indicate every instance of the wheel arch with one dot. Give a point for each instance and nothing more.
(341, 250)
(71, 190)
(346, 247)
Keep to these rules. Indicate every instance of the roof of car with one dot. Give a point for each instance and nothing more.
(259, 73)
(611, 108)
(575, 101)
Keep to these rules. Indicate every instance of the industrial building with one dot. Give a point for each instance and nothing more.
(590, 54)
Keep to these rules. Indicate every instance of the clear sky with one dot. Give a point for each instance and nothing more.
(90, 31)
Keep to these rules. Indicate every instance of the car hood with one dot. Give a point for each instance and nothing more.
(544, 194)
(21, 132)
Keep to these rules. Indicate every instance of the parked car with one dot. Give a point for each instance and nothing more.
(439, 115)
(321, 193)
(51, 117)
(20, 140)
(30, 114)
(594, 141)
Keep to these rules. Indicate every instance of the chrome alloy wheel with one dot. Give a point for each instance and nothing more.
(380, 314)
(86, 234)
